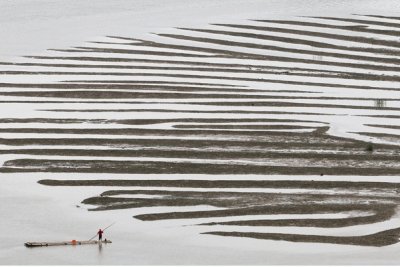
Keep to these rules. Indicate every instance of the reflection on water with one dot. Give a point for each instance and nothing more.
(100, 248)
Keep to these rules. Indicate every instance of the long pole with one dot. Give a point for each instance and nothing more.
(103, 230)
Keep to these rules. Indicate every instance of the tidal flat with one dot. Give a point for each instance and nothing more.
(222, 138)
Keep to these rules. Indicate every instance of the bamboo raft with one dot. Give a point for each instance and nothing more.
(65, 243)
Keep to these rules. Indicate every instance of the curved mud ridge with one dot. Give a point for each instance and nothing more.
(380, 239)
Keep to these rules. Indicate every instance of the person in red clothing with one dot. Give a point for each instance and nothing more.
(100, 233)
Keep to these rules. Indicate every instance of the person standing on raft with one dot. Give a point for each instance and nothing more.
(100, 233)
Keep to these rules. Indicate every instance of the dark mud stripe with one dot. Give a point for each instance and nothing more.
(288, 104)
(381, 116)
(151, 90)
(243, 127)
(183, 111)
(121, 59)
(91, 94)
(133, 52)
(126, 85)
(380, 239)
(385, 136)
(121, 84)
(380, 216)
(365, 160)
(279, 197)
(152, 167)
(48, 120)
(397, 127)
(94, 95)
(293, 184)
(361, 21)
(132, 83)
(258, 210)
(354, 28)
(272, 140)
(146, 121)
(134, 131)
(382, 17)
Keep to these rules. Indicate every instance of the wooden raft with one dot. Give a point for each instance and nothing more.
(65, 243)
